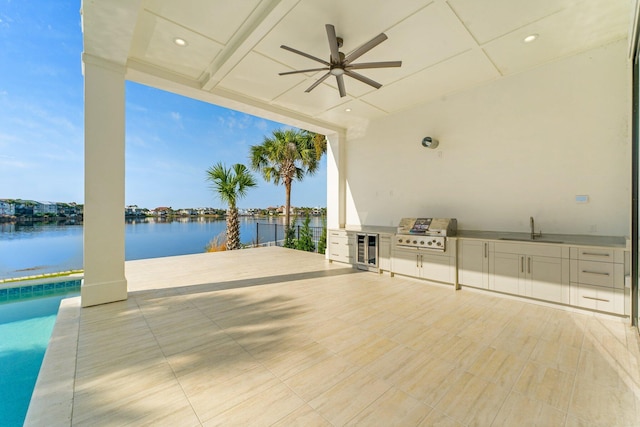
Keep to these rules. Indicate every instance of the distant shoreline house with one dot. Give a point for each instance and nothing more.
(45, 208)
(162, 211)
(30, 208)
(7, 208)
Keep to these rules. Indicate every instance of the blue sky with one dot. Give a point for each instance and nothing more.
(170, 140)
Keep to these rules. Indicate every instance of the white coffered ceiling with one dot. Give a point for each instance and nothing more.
(233, 55)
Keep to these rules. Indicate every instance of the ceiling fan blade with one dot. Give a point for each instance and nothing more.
(306, 55)
(333, 43)
(363, 79)
(320, 80)
(302, 71)
(366, 47)
(340, 80)
(375, 65)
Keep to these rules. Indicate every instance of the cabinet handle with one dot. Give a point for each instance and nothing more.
(521, 264)
(529, 265)
(596, 299)
(595, 272)
(594, 254)
(486, 250)
(417, 261)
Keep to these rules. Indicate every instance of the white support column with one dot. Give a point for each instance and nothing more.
(104, 118)
(336, 181)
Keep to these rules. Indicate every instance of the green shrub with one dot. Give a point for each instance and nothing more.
(322, 243)
(305, 241)
(290, 238)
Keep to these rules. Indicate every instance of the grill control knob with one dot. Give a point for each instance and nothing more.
(415, 241)
(422, 242)
(430, 243)
(399, 240)
(439, 244)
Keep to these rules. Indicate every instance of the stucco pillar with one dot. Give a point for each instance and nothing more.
(104, 102)
(336, 181)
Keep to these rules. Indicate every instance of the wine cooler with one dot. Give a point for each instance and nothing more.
(367, 251)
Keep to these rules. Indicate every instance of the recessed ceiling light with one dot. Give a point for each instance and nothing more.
(530, 38)
(180, 41)
(348, 110)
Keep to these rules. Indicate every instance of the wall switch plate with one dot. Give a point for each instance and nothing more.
(582, 199)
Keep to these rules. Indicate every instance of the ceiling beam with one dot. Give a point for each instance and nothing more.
(149, 75)
(262, 20)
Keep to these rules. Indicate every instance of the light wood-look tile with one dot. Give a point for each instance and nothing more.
(348, 397)
(519, 410)
(546, 384)
(280, 337)
(395, 407)
(472, 400)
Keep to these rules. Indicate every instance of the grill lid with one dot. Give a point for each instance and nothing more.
(428, 226)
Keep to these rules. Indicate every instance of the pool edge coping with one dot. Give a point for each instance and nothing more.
(52, 399)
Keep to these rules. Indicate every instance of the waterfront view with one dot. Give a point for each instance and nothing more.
(41, 247)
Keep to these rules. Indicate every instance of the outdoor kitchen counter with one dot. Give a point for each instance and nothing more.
(555, 239)
(379, 229)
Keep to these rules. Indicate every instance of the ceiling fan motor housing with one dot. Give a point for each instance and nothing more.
(339, 64)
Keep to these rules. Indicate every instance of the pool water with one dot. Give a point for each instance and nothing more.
(27, 317)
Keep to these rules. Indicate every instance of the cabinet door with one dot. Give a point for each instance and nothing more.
(385, 253)
(437, 267)
(405, 263)
(474, 263)
(507, 273)
(544, 278)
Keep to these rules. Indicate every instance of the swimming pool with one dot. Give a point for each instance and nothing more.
(27, 316)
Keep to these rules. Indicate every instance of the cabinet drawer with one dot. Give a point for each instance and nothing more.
(596, 273)
(596, 254)
(603, 299)
(338, 240)
(337, 233)
(341, 258)
(339, 248)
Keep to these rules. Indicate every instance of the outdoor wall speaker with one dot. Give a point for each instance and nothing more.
(429, 142)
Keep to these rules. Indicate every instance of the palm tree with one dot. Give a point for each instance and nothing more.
(231, 184)
(286, 156)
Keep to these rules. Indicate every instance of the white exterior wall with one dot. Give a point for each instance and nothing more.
(521, 146)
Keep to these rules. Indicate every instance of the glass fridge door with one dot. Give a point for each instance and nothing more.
(372, 249)
(361, 249)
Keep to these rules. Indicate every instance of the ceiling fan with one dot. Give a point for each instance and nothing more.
(340, 65)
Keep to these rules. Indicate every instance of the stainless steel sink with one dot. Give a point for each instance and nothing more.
(516, 239)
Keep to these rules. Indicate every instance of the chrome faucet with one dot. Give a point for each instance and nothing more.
(533, 230)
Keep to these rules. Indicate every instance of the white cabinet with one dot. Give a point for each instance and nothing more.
(588, 277)
(384, 252)
(474, 263)
(430, 265)
(406, 263)
(597, 279)
(530, 270)
(341, 246)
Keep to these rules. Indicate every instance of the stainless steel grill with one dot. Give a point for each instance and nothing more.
(425, 233)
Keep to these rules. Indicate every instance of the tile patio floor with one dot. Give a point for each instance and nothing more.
(272, 336)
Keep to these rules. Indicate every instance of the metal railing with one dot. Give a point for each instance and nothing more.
(273, 234)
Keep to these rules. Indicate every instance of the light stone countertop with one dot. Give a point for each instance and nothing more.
(564, 239)
(619, 242)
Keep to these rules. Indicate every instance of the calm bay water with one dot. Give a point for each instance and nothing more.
(29, 249)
